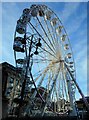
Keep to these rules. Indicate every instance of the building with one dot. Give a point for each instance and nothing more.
(12, 84)
(84, 114)
(10, 79)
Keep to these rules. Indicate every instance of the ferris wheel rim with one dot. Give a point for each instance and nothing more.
(43, 39)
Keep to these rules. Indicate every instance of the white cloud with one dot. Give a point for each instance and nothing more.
(72, 18)
(81, 65)
(76, 23)
(68, 10)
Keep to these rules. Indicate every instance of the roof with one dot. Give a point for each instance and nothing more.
(5, 64)
(6, 67)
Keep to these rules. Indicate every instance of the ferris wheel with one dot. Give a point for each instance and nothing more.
(45, 64)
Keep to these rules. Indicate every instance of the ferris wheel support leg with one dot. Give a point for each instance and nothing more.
(83, 97)
(73, 110)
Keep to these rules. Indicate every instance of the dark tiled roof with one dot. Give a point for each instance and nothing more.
(7, 65)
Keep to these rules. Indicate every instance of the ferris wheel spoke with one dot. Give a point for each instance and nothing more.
(45, 42)
(52, 39)
(48, 52)
(42, 38)
(62, 81)
(65, 85)
(48, 97)
(57, 38)
(52, 29)
(41, 48)
(41, 60)
(49, 81)
(41, 76)
(56, 89)
(43, 71)
(47, 35)
(40, 83)
(43, 57)
(54, 80)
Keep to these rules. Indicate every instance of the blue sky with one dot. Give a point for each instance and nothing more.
(74, 19)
